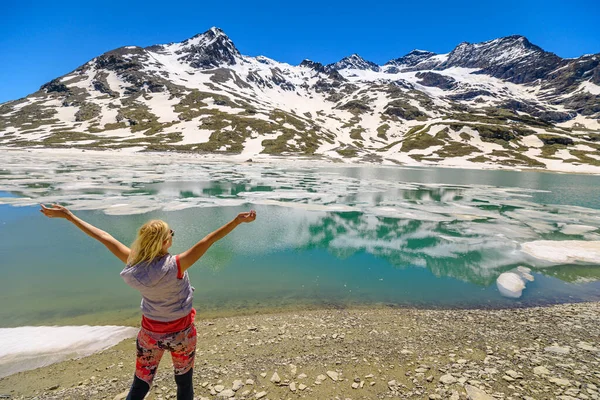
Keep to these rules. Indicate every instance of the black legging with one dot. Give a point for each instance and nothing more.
(185, 388)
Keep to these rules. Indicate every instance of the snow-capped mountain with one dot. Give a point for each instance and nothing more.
(353, 62)
(412, 59)
(500, 102)
(512, 58)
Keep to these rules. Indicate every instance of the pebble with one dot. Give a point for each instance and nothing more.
(514, 374)
(447, 379)
(122, 395)
(302, 386)
(474, 393)
(557, 350)
(333, 375)
(587, 346)
(541, 371)
(275, 378)
(560, 381)
(237, 385)
(227, 393)
(260, 395)
(293, 386)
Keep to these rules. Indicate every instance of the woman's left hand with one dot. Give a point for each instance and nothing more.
(56, 211)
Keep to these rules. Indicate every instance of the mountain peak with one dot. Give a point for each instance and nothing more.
(512, 57)
(210, 49)
(411, 59)
(519, 38)
(317, 66)
(217, 30)
(353, 61)
(205, 38)
(508, 47)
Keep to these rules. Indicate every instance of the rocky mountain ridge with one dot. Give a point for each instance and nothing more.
(501, 102)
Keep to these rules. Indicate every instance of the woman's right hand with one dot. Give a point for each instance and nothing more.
(56, 211)
(246, 216)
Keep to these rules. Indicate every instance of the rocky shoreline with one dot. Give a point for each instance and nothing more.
(528, 353)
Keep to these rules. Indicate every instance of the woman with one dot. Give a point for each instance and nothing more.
(161, 278)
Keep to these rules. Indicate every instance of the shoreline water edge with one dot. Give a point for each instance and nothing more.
(558, 167)
(519, 353)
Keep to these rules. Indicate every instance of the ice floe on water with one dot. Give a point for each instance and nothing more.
(564, 251)
(30, 347)
(512, 283)
(577, 229)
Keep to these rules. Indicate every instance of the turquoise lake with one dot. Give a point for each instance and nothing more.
(325, 235)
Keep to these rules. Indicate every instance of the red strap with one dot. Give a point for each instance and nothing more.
(179, 271)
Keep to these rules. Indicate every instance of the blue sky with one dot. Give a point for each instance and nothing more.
(42, 40)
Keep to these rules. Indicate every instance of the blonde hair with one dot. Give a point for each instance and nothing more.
(149, 242)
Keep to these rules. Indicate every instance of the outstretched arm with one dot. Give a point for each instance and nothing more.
(189, 257)
(112, 244)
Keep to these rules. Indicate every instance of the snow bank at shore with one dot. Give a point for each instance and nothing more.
(30, 347)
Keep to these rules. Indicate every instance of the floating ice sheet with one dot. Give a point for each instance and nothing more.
(512, 283)
(565, 251)
(577, 229)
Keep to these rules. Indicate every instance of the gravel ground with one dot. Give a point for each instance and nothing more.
(529, 353)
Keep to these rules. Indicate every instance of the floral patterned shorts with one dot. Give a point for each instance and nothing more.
(151, 346)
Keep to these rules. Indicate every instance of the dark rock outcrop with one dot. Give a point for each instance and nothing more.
(470, 95)
(411, 59)
(313, 65)
(54, 86)
(551, 139)
(436, 80)
(404, 110)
